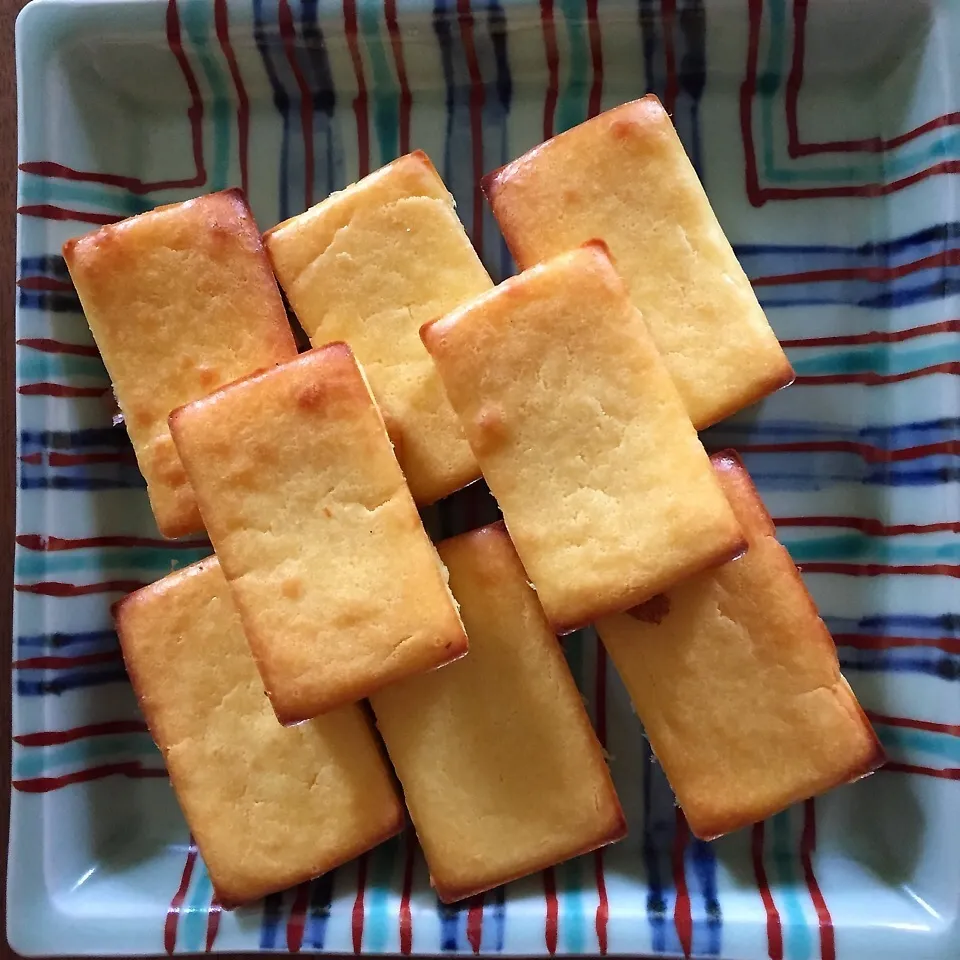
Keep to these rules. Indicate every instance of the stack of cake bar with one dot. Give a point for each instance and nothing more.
(575, 389)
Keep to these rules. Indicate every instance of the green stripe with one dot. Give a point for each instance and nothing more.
(572, 103)
(892, 359)
(385, 89)
(40, 761)
(197, 16)
(788, 890)
(35, 189)
(192, 929)
(890, 165)
(33, 366)
(903, 740)
(154, 561)
(862, 548)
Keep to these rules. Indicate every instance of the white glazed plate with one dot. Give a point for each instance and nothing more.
(827, 137)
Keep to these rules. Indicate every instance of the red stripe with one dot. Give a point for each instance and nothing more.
(406, 98)
(603, 906)
(952, 729)
(34, 541)
(875, 274)
(130, 768)
(45, 168)
(553, 67)
(57, 459)
(475, 923)
(747, 91)
(406, 917)
(869, 453)
(51, 738)
(872, 379)
(221, 17)
(60, 390)
(880, 569)
(213, 923)
(682, 918)
(760, 195)
(173, 911)
(862, 641)
(950, 773)
(477, 96)
(32, 458)
(360, 101)
(356, 919)
(668, 12)
(553, 910)
(298, 918)
(54, 589)
(774, 929)
(65, 663)
(596, 57)
(46, 211)
(58, 346)
(288, 34)
(871, 145)
(868, 525)
(808, 842)
(876, 336)
(45, 283)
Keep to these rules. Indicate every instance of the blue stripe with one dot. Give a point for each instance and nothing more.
(270, 921)
(281, 100)
(89, 641)
(113, 438)
(192, 929)
(40, 683)
(707, 932)
(451, 926)
(318, 913)
(944, 666)
(46, 265)
(498, 110)
(497, 912)
(902, 292)
(898, 625)
(79, 483)
(893, 437)
(777, 259)
(52, 301)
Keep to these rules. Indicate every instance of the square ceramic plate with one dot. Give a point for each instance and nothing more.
(827, 136)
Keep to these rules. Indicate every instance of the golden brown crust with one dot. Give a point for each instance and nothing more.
(369, 265)
(242, 780)
(624, 177)
(338, 586)
(737, 682)
(501, 769)
(582, 437)
(180, 301)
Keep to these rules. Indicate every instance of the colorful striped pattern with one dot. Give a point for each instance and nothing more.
(859, 461)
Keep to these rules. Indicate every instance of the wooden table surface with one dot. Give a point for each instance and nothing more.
(8, 191)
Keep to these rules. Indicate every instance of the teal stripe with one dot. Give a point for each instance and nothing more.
(572, 101)
(881, 359)
(192, 928)
(378, 919)
(32, 366)
(142, 560)
(860, 547)
(386, 98)
(39, 761)
(891, 165)
(196, 17)
(571, 906)
(34, 189)
(788, 891)
(905, 740)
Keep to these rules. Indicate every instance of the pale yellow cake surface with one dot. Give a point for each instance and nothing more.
(500, 767)
(269, 806)
(624, 177)
(368, 266)
(180, 300)
(338, 586)
(582, 437)
(736, 680)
